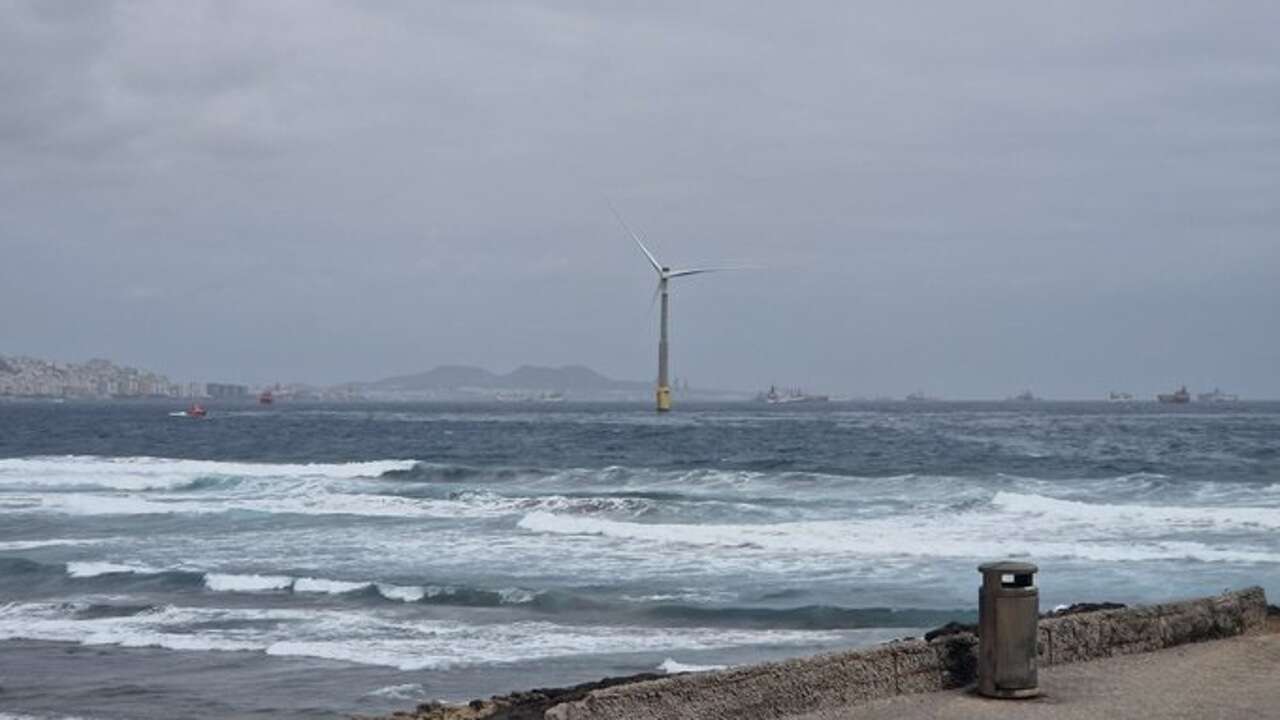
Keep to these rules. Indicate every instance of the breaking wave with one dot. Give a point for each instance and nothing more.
(121, 576)
(154, 473)
(364, 638)
(671, 667)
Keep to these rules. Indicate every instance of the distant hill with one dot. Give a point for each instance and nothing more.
(445, 376)
(575, 379)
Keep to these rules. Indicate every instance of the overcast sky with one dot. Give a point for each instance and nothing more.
(967, 199)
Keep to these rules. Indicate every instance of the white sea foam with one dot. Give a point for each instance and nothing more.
(671, 666)
(252, 583)
(367, 638)
(400, 592)
(220, 582)
(86, 569)
(1162, 515)
(408, 691)
(51, 542)
(298, 499)
(13, 716)
(1075, 531)
(331, 587)
(516, 596)
(153, 473)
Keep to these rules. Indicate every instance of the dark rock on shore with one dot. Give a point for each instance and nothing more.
(1077, 608)
(956, 628)
(951, 628)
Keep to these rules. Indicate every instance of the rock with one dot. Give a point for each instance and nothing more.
(950, 628)
(1077, 608)
(958, 654)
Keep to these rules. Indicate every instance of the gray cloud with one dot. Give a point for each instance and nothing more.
(967, 200)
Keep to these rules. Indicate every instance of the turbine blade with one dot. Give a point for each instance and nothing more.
(652, 260)
(699, 271)
(657, 290)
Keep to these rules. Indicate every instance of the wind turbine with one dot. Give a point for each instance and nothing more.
(665, 275)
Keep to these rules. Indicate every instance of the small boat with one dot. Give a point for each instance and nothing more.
(1175, 398)
(195, 411)
(266, 398)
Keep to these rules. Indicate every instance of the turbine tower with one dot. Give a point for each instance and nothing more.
(665, 274)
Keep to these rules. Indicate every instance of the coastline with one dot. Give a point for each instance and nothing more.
(944, 660)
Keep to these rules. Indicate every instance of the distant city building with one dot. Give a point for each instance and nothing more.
(226, 390)
(97, 378)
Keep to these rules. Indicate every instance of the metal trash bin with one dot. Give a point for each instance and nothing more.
(1008, 616)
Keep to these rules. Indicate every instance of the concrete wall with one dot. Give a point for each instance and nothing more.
(774, 690)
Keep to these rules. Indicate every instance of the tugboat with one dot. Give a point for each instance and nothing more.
(1181, 397)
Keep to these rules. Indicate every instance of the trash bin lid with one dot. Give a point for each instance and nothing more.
(1009, 567)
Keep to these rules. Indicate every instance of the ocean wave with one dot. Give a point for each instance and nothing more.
(119, 574)
(328, 587)
(1163, 515)
(50, 542)
(671, 667)
(301, 499)
(370, 639)
(402, 593)
(225, 582)
(995, 530)
(809, 617)
(88, 569)
(70, 472)
(407, 691)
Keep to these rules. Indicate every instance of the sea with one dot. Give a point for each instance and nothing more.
(316, 561)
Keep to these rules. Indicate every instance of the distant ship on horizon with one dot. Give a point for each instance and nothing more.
(1024, 396)
(1114, 396)
(1217, 396)
(516, 396)
(1180, 397)
(789, 395)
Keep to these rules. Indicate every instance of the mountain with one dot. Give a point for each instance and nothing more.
(444, 376)
(576, 377)
(573, 380)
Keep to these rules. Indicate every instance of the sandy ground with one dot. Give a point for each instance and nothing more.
(1224, 679)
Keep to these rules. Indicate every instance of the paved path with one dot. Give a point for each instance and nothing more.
(1224, 679)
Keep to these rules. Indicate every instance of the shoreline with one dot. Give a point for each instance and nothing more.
(944, 659)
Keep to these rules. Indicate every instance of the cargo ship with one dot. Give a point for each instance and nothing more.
(1180, 397)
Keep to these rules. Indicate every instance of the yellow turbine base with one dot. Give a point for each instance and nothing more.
(664, 398)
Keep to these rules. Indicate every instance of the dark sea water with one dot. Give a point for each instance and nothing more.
(315, 561)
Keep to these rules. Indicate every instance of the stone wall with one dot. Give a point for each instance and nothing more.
(775, 690)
